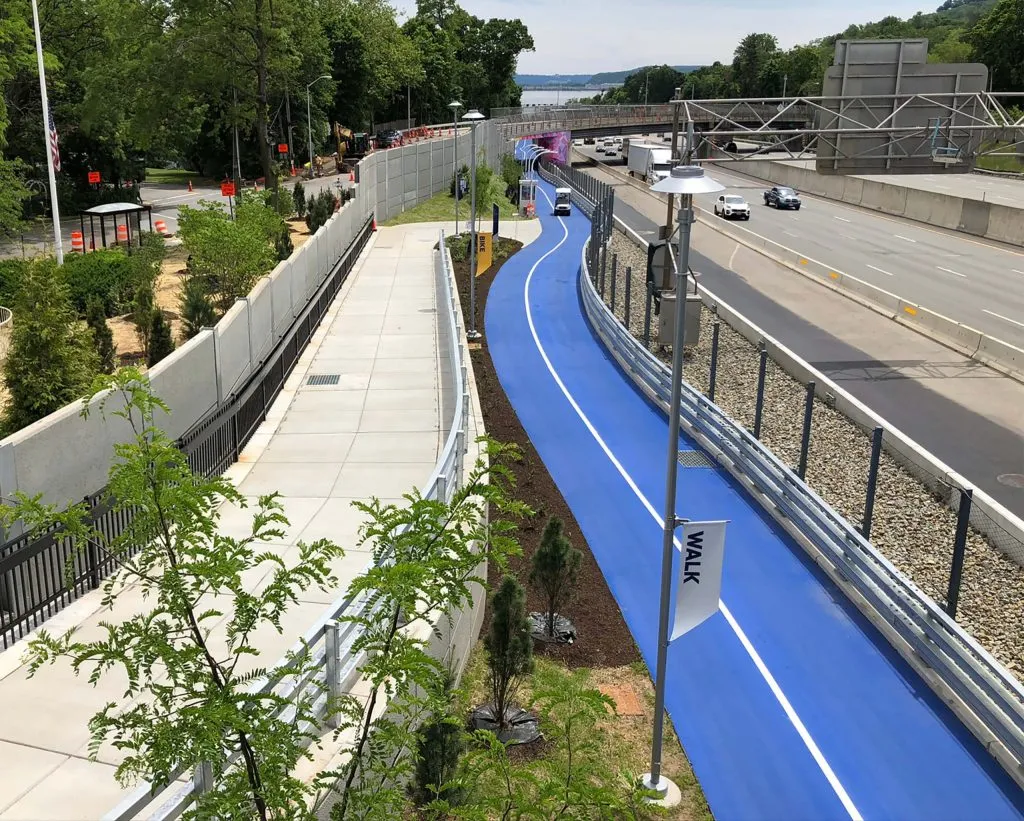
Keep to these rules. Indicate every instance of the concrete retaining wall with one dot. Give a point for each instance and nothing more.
(65, 457)
(983, 219)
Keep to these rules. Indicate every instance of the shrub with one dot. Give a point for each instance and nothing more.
(102, 337)
(319, 210)
(197, 312)
(12, 272)
(51, 360)
(440, 747)
(142, 314)
(229, 255)
(509, 647)
(161, 342)
(299, 199)
(555, 569)
(511, 170)
(107, 277)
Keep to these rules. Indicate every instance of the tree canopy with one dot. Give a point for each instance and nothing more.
(153, 82)
(986, 31)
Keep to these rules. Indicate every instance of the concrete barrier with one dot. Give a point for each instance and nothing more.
(983, 219)
(205, 370)
(187, 381)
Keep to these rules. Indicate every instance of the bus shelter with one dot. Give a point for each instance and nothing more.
(124, 219)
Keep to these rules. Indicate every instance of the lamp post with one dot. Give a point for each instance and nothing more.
(309, 120)
(455, 105)
(684, 182)
(473, 117)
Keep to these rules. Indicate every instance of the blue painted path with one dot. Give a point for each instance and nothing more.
(788, 703)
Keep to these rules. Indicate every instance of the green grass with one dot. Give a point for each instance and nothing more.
(172, 175)
(441, 207)
(1013, 164)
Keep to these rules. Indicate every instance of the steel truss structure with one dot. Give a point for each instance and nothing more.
(949, 131)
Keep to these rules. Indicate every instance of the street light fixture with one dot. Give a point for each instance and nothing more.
(455, 105)
(473, 117)
(684, 182)
(309, 120)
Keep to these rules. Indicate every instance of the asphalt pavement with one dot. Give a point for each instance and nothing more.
(971, 442)
(976, 283)
(788, 702)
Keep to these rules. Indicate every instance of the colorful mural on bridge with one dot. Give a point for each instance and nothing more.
(558, 142)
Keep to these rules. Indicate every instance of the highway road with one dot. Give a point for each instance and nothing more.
(788, 703)
(974, 282)
(952, 410)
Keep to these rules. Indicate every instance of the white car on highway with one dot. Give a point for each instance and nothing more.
(732, 206)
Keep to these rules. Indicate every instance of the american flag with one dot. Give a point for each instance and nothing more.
(54, 147)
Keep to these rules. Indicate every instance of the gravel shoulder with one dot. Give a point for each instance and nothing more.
(912, 526)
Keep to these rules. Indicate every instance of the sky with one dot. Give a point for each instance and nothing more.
(588, 36)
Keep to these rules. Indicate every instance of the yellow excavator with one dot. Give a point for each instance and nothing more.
(352, 146)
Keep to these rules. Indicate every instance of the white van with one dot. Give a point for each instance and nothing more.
(563, 202)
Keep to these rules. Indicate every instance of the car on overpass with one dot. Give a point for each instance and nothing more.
(782, 196)
(732, 206)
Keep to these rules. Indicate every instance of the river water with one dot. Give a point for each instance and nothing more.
(555, 96)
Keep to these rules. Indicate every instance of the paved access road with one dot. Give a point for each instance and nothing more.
(971, 281)
(788, 703)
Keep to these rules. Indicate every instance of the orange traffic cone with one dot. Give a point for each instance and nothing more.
(190, 185)
(77, 243)
(122, 234)
(373, 227)
(351, 176)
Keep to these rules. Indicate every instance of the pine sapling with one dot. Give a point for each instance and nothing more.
(555, 569)
(509, 647)
(161, 343)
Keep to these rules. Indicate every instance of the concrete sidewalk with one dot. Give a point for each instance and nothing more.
(360, 416)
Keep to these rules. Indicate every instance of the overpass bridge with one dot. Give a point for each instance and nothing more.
(876, 133)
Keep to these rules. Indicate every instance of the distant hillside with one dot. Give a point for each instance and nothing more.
(620, 76)
(604, 78)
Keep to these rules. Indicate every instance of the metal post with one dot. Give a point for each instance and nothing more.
(615, 275)
(671, 477)
(713, 378)
(455, 163)
(963, 519)
(309, 130)
(332, 671)
(472, 332)
(805, 438)
(58, 241)
(761, 372)
(869, 502)
(629, 291)
(647, 315)
(675, 154)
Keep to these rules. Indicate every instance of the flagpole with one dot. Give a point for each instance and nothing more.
(57, 241)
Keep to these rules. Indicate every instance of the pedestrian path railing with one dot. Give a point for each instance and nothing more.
(983, 693)
(334, 668)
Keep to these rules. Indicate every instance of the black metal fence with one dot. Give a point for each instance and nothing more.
(41, 573)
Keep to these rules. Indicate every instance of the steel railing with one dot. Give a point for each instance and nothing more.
(328, 643)
(990, 692)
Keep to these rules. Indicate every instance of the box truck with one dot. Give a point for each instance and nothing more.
(649, 162)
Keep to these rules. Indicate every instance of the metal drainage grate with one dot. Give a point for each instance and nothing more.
(694, 459)
(323, 379)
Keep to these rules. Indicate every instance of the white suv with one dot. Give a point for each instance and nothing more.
(732, 206)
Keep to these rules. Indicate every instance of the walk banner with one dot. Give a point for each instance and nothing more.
(700, 575)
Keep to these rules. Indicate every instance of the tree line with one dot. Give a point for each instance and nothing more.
(158, 82)
(985, 31)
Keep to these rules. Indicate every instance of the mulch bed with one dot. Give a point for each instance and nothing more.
(603, 639)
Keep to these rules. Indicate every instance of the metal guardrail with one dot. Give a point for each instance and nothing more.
(329, 641)
(989, 691)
